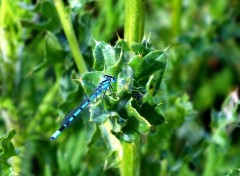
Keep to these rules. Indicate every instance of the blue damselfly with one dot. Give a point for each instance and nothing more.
(101, 89)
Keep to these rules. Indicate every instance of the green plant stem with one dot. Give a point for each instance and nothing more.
(71, 37)
(176, 17)
(131, 159)
(134, 21)
(214, 160)
(133, 32)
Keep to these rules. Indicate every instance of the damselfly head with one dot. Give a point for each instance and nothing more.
(112, 79)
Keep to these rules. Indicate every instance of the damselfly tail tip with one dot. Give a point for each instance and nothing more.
(52, 138)
(56, 134)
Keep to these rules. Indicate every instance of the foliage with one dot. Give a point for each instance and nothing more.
(169, 99)
(7, 151)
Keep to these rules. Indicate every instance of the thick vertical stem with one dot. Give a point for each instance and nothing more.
(133, 32)
(176, 17)
(134, 21)
(131, 159)
(72, 40)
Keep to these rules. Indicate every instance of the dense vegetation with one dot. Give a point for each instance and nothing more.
(174, 109)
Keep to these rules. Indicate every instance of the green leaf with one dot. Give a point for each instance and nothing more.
(98, 58)
(6, 146)
(137, 63)
(104, 51)
(7, 103)
(152, 88)
(122, 44)
(68, 85)
(5, 169)
(117, 68)
(112, 160)
(138, 122)
(110, 101)
(107, 59)
(53, 52)
(97, 113)
(49, 18)
(71, 91)
(117, 122)
(154, 61)
(157, 79)
(234, 172)
(127, 134)
(53, 49)
(140, 49)
(65, 167)
(143, 67)
(6, 151)
(90, 81)
(155, 117)
(123, 85)
(148, 96)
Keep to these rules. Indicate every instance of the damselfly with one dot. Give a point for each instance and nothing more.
(101, 89)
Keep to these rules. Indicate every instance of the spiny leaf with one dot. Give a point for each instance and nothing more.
(53, 52)
(123, 85)
(104, 51)
(140, 49)
(97, 113)
(6, 146)
(67, 85)
(138, 122)
(90, 81)
(127, 134)
(117, 122)
(122, 44)
(50, 20)
(154, 62)
(98, 58)
(115, 69)
(154, 118)
(143, 67)
(148, 96)
(138, 64)
(110, 101)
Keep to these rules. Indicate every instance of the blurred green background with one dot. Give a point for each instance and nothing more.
(199, 88)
